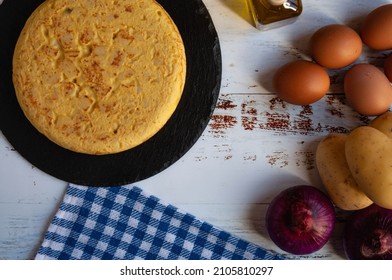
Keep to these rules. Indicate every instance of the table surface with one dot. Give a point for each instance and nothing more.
(253, 147)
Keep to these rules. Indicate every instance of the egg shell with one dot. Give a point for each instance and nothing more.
(367, 89)
(335, 46)
(301, 82)
(376, 29)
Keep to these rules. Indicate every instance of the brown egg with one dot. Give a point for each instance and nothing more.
(335, 46)
(376, 29)
(367, 89)
(388, 67)
(301, 82)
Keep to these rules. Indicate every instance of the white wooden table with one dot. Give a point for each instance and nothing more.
(253, 147)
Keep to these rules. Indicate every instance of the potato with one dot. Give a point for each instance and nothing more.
(336, 175)
(383, 123)
(369, 157)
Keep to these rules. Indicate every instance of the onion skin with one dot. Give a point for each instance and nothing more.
(368, 234)
(300, 220)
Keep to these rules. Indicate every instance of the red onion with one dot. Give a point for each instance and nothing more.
(368, 234)
(300, 219)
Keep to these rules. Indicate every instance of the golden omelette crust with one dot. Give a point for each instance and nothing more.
(99, 76)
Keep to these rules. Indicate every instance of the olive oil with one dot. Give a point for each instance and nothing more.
(269, 14)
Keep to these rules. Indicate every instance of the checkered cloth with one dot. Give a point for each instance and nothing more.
(126, 223)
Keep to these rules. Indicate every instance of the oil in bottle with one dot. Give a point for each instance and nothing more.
(269, 14)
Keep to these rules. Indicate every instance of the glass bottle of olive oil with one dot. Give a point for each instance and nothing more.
(269, 14)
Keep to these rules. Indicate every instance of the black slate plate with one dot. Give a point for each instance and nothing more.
(166, 147)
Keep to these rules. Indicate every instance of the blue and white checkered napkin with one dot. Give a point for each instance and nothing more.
(126, 223)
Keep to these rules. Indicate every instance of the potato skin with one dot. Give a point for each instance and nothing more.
(383, 123)
(369, 157)
(336, 175)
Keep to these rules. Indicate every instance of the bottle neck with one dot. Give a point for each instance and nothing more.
(277, 2)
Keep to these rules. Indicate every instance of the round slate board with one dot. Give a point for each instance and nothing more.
(199, 98)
